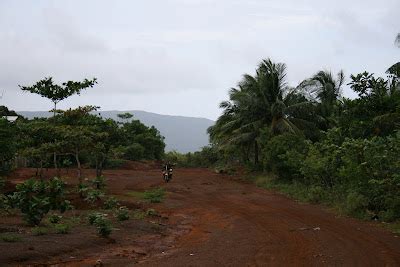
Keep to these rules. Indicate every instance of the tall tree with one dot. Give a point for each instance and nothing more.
(7, 144)
(324, 88)
(125, 116)
(259, 102)
(56, 93)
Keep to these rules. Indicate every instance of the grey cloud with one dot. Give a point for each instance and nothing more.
(189, 51)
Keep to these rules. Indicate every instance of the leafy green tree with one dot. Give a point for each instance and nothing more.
(125, 116)
(4, 111)
(77, 133)
(135, 133)
(36, 141)
(56, 93)
(35, 198)
(377, 110)
(259, 102)
(7, 144)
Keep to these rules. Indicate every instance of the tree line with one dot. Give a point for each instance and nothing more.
(74, 137)
(311, 137)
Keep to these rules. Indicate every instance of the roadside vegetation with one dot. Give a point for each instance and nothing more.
(314, 144)
(74, 139)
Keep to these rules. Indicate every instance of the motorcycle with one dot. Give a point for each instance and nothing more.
(167, 174)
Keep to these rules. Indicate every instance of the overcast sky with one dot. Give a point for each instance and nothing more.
(181, 57)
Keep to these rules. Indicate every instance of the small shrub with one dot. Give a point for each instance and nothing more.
(93, 217)
(316, 194)
(355, 204)
(62, 228)
(5, 203)
(92, 195)
(37, 230)
(104, 226)
(35, 198)
(122, 214)
(99, 182)
(155, 195)
(9, 237)
(111, 203)
(114, 163)
(54, 218)
(151, 212)
(139, 214)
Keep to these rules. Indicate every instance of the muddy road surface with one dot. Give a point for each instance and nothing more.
(237, 224)
(217, 220)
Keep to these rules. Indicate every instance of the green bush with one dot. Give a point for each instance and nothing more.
(122, 213)
(37, 230)
(134, 151)
(103, 225)
(139, 214)
(7, 145)
(154, 195)
(90, 194)
(208, 156)
(5, 203)
(99, 182)
(114, 163)
(10, 237)
(54, 218)
(316, 194)
(284, 154)
(111, 203)
(355, 204)
(35, 198)
(62, 228)
(93, 217)
(151, 212)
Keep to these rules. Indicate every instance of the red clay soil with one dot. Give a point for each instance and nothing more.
(215, 220)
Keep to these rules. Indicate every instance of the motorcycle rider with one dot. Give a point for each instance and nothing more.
(168, 168)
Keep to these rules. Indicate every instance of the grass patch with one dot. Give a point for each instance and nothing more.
(38, 230)
(62, 228)
(342, 201)
(394, 227)
(294, 190)
(139, 214)
(153, 195)
(10, 237)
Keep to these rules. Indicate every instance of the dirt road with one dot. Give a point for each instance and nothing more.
(237, 224)
(214, 220)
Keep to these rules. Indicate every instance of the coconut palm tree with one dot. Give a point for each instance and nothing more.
(325, 89)
(262, 102)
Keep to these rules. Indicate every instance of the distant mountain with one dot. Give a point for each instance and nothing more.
(183, 134)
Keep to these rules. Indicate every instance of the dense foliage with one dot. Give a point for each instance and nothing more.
(343, 151)
(35, 198)
(7, 144)
(74, 137)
